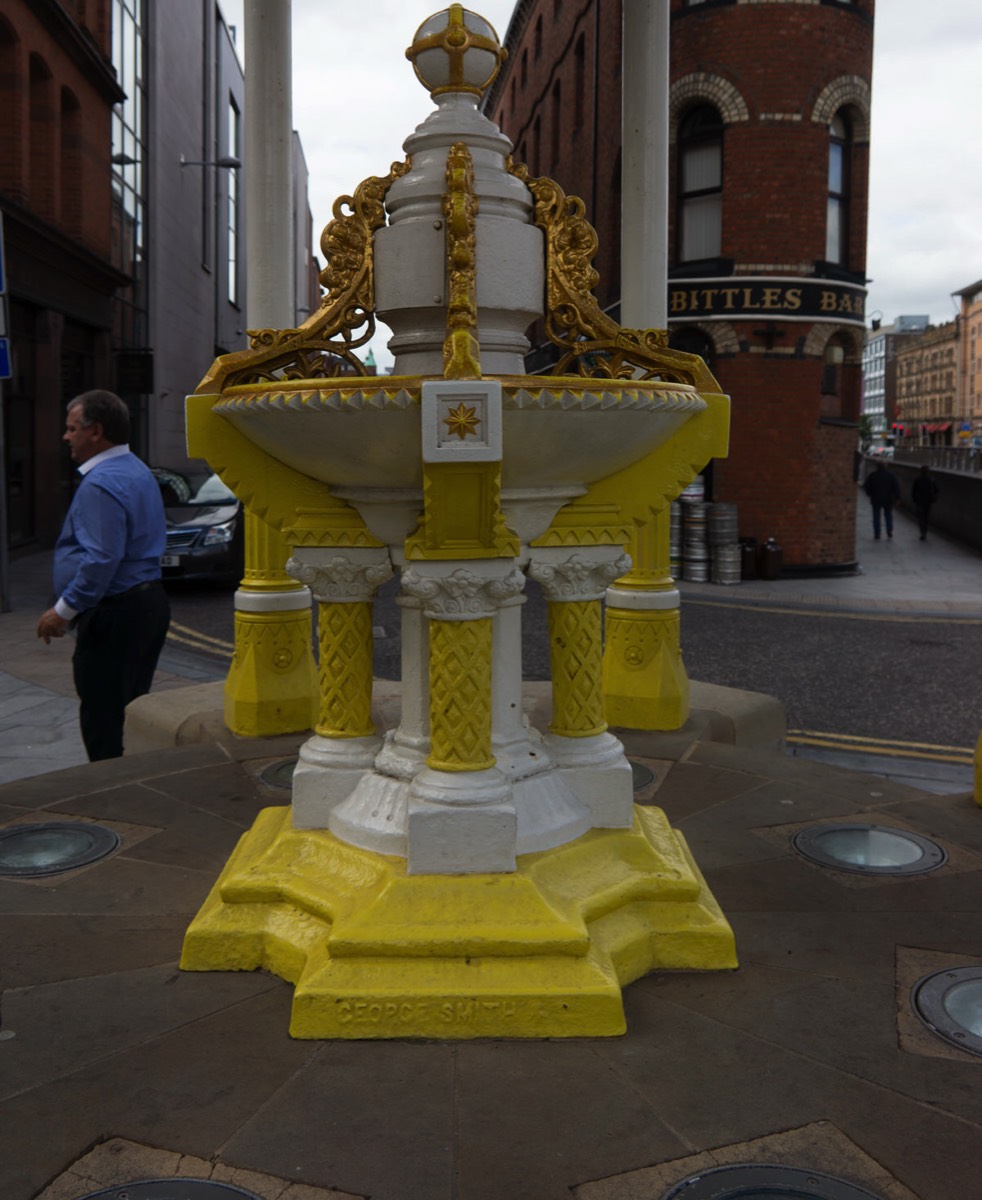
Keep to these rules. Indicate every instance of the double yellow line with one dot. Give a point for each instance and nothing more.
(769, 609)
(200, 641)
(887, 747)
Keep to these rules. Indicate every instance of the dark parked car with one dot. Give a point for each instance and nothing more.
(205, 535)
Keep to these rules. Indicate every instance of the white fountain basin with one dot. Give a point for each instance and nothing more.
(556, 433)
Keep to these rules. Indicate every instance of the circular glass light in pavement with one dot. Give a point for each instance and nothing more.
(172, 1189)
(279, 774)
(28, 851)
(869, 849)
(950, 1005)
(765, 1181)
(641, 775)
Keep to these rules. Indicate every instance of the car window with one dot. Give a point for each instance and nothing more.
(204, 488)
(213, 491)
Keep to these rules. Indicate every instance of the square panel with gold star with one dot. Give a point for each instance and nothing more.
(461, 420)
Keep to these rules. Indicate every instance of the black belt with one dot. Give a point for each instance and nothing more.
(138, 587)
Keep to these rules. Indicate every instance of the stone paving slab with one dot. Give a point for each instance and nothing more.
(103, 1038)
(806, 1052)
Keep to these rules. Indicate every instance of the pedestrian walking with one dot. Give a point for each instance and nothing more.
(107, 572)
(924, 493)
(884, 492)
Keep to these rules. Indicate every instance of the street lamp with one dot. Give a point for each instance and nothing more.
(229, 161)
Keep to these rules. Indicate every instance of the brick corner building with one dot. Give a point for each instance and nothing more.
(769, 154)
(57, 91)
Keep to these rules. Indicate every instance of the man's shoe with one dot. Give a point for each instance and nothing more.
(876, 537)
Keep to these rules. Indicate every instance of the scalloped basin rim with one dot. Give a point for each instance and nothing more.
(557, 430)
(413, 383)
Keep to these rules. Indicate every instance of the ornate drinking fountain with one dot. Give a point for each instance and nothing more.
(459, 873)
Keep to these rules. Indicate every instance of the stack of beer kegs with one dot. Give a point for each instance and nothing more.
(723, 543)
(695, 550)
(675, 540)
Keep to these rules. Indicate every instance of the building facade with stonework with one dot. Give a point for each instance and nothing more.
(928, 386)
(769, 145)
(969, 431)
(880, 376)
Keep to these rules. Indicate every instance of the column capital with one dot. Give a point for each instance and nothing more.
(461, 594)
(584, 575)
(351, 577)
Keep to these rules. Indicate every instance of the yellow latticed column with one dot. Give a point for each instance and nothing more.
(345, 639)
(345, 741)
(645, 681)
(271, 686)
(591, 759)
(576, 662)
(460, 695)
(461, 810)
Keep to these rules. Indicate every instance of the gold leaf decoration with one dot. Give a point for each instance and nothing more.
(461, 349)
(323, 347)
(594, 344)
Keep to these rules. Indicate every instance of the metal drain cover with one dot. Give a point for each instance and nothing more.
(950, 1005)
(869, 849)
(172, 1189)
(641, 775)
(279, 774)
(30, 851)
(762, 1181)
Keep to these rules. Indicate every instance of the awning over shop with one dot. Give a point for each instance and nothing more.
(938, 427)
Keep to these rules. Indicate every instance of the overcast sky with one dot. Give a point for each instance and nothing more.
(355, 99)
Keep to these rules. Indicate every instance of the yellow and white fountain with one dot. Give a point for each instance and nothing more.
(461, 873)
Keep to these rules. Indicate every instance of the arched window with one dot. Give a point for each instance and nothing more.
(835, 353)
(12, 103)
(579, 86)
(72, 191)
(557, 120)
(837, 225)
(700, 184)
(43, 148)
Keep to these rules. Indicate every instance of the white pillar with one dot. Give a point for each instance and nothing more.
(269, 164)
(644, 305)
(644, 170)
(270, 608)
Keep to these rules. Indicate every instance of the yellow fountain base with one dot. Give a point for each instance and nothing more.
(376, 953)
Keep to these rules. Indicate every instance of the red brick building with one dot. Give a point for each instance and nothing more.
(769, 128)
(57, 90)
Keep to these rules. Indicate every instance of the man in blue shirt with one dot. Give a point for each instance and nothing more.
(107, 572)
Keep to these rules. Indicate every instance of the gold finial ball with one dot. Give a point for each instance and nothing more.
(456, 51)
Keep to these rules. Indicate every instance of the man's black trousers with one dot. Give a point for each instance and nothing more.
(116, 650)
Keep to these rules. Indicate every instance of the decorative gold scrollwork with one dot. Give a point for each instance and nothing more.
(594, 345)
(323, 346)
(461, 350)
